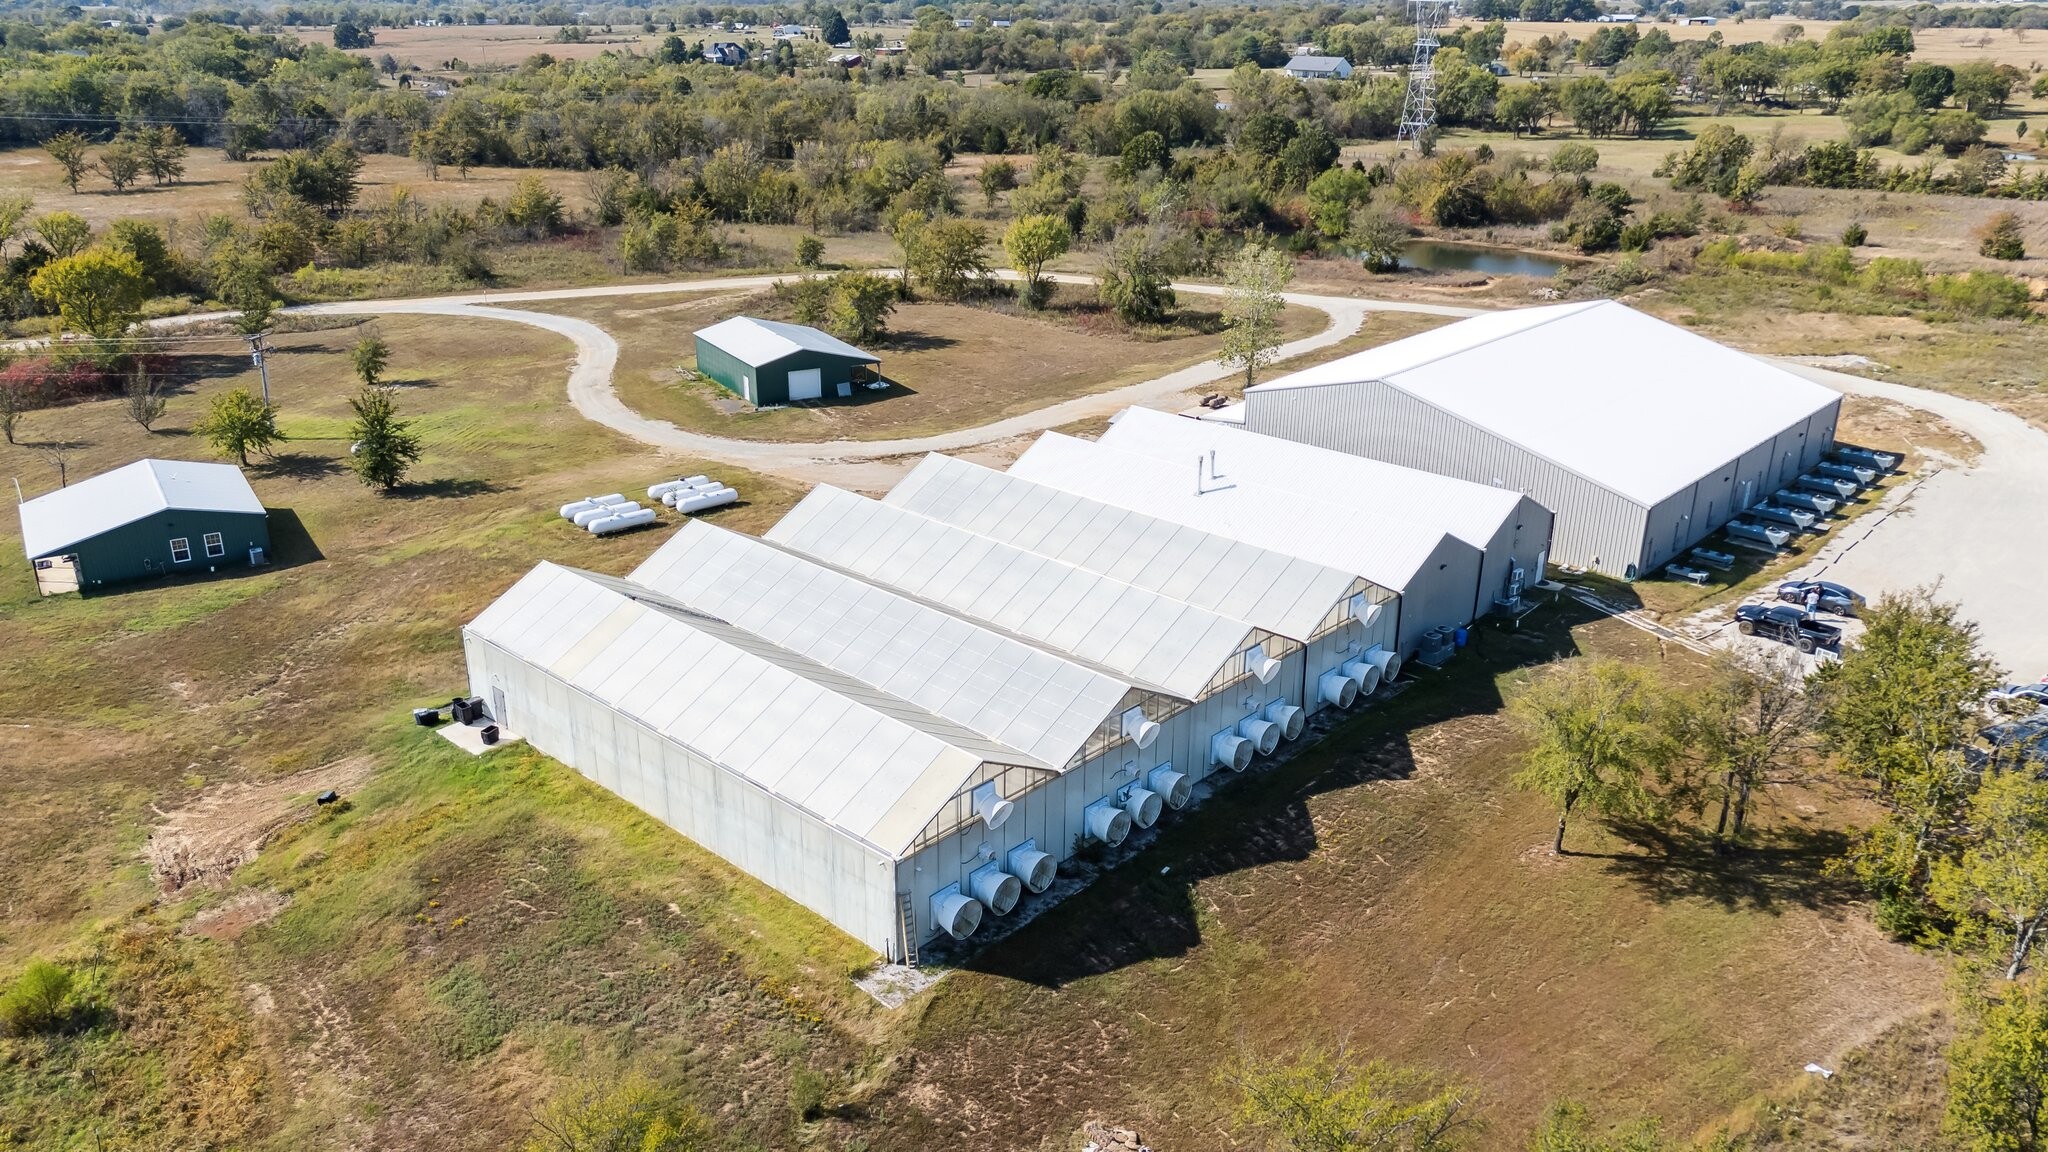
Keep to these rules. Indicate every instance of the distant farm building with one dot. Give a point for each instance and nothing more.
(150, 518)
(769, 363)
(1641, 436)
(1319, 68)
(729, 54)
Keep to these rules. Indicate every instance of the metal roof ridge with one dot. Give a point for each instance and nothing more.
(1561, 312)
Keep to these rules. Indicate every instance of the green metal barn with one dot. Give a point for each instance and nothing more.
(769, 363)
(149, 518)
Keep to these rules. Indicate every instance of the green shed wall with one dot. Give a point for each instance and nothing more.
(771, 380)
(142, 550)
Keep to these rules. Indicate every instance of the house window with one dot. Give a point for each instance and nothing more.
(181, 549)
(214, 546)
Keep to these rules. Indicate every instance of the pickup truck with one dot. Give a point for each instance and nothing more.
(1787, 625)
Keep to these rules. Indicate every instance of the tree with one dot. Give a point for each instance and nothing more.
(39, 1000)
(145, 241)
(859, 304)
(1749, 726)
(1032, 242)
(534, 207)
(1252, 305)
(1379, 236)
(810, 251)
(238, 423)
(70, 150)
(63, 233)
(122, 162)
(17, 397)
(146, 399)
(1135, 281)
(1998, 1073)
(1328, 1102)
(1894, 710)
(1597, 727)
(1142, 153)
(835, 31)
(2001, 239)
(354, 32)
(1713, 163)
(1985, 88)
(947, 259)
(370, 357)
(1574, 158)
(618, 1114)
(383, 447)
(98, 292)
(996, 177)
(1522, 108)
(326, 179)
(2000, 882)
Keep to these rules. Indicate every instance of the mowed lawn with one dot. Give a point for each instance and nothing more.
(954, 365)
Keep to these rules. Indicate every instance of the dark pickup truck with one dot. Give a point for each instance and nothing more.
(1787, 625)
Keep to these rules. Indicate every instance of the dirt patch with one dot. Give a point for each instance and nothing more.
(205, 841)
(228, 922)
(1890, 426)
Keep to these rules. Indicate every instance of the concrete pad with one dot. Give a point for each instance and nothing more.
(470, 737)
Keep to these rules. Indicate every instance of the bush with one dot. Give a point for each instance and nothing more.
(1855, 234)
(1987, 294)
(1574, 158)
(2000, 238)
(810, 251)
(39, 1001)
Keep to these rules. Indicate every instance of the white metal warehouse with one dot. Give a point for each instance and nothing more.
(1436, 575)
(1642, 437)
(1511, 530)
(905, 725)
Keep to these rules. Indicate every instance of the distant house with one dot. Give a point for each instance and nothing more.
(769, 363)
(846, 59)
(963, 23)
(892, 48)
(1617, 18)
(1001, 23)
(1319, 68)
(788, 31)
(150, 518)
(727, 53)
(1707, 20)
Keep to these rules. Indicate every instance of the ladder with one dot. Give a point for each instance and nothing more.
(906, 922)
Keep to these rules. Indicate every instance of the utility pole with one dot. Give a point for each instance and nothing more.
(256, 351)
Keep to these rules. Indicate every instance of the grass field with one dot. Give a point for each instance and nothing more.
(955, 365)
(502, 44)
(2024, 48)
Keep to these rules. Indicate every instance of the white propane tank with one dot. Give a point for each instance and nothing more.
(570, 510)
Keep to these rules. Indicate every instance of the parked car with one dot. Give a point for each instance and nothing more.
(1787, 625)
(2020, 698)
(1836, 598)
(2018, 742)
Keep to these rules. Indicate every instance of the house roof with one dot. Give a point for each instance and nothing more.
(1283, 594)
(878, 773)
(57, 520)
(1635, 404)
(757, 342)
(1349, 536)
(1317, 63)
(1472, 512)
(1151, 640)
(1016, 694)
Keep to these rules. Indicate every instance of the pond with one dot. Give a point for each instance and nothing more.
(1437, 256)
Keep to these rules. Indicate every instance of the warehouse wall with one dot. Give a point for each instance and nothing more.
(1596, 527)
(142, 550)
(790, 850)
(732, 373)
(1522, 541)
(1691, 514)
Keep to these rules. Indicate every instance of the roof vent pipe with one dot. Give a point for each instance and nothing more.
(1143, 807)
(1139, 730)
(1365, 673)
(1106, 822)
(955, 913)
(1173, 787)
(1389, 663)
(1334, 687)
(991, 807)
(1036, 869)
(1263, 734)
(1261, 665)
(1229, 750)
(995, 888)
(1286, 717)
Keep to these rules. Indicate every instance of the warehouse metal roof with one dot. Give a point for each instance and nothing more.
(1003, 688)
(57, 520)
(1624, 399)
(1153, 640)
(755, 341)
(1472, 512)
(702, 683)
(1284, 594)
(1388, 551)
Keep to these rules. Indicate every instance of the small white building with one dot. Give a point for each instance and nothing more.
(1319, 68)
(1641, 436)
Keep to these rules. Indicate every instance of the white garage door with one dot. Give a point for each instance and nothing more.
(806, 384)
